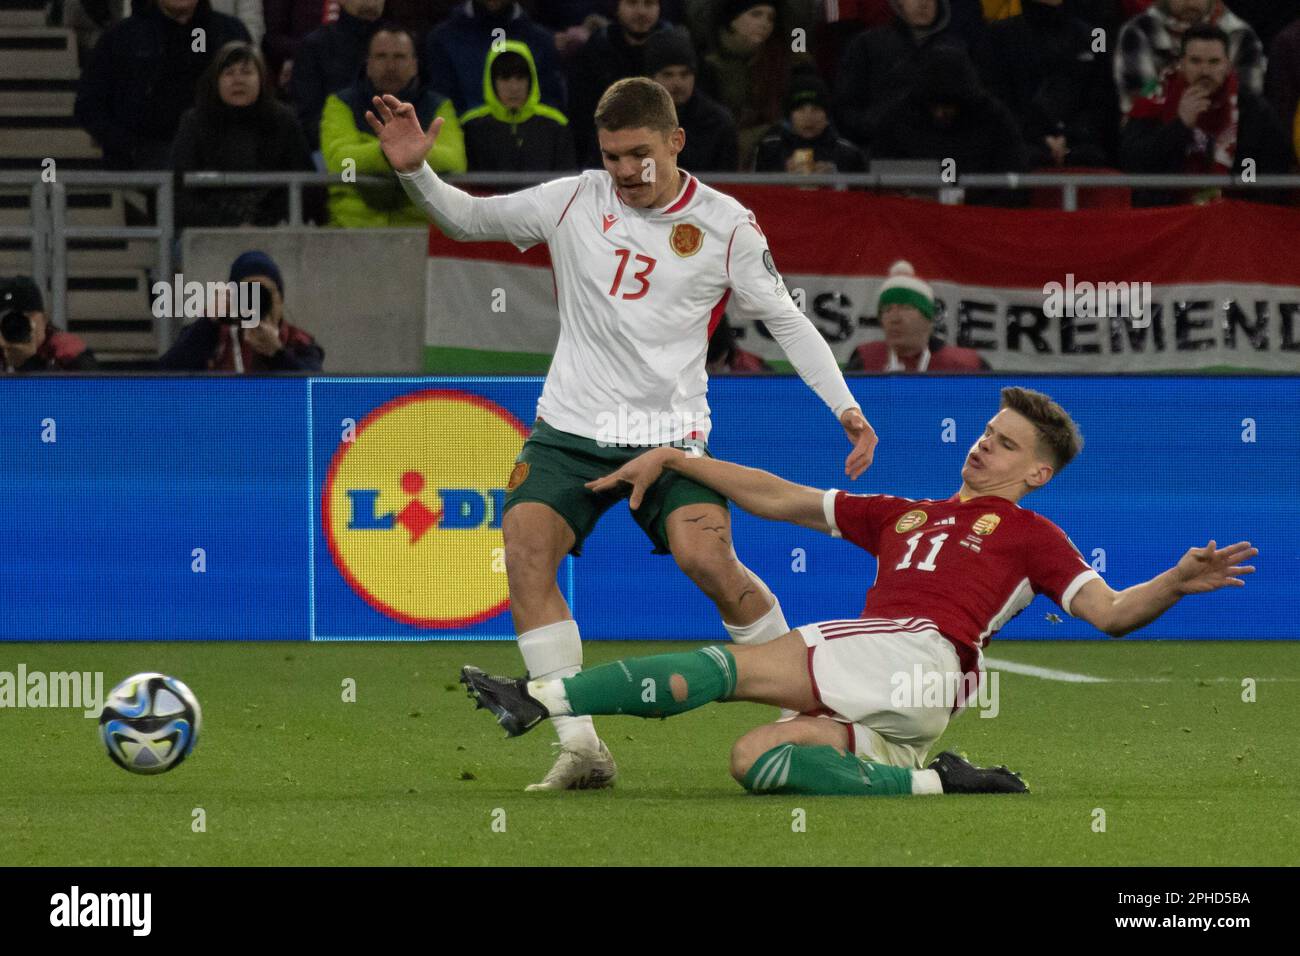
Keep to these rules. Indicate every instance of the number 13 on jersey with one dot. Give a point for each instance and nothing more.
(641, 275)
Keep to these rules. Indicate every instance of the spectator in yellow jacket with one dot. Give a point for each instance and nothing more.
(350, 147)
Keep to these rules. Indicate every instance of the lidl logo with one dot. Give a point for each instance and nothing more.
(412, 507)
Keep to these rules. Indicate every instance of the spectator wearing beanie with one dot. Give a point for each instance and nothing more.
(513, 131)
(142, 78)
(329, 59)
(711, 144)
(28, 343)
(748, 66)
(237, 125)
(701, 16)
(806, 142)
(615, 51)
(273, 345)
(906, 313)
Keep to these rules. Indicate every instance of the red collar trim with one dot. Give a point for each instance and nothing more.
(687, 195)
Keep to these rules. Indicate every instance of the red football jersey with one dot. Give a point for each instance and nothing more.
(969, 566)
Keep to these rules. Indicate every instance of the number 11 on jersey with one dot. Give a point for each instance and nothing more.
(936, 543)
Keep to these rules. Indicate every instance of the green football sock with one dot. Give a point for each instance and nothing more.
(790, 768)
(657, 686)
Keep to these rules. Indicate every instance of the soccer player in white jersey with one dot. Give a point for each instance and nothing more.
(951, 572)
(646, 258)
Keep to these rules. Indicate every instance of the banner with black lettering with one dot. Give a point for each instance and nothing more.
(1033, 290)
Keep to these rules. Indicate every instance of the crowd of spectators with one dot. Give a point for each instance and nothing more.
(769, 85)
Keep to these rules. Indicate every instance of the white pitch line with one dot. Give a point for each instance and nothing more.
(1068, 677)
(1046, 673)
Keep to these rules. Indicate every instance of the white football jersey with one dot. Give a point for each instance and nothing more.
(639, 293)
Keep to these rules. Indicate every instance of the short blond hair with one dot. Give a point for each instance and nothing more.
(635, 102)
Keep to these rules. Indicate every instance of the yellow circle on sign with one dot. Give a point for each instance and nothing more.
(411, 507)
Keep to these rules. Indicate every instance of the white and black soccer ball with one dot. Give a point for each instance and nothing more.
(150, 723)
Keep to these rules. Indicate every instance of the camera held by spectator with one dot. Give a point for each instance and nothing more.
(222, 342)
(29, 342)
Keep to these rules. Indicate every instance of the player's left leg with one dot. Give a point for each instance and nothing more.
(815, 755)
(699, 537)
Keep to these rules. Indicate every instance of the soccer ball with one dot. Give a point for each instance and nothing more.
(150, 723)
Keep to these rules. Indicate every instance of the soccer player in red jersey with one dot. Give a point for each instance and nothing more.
(950, 574)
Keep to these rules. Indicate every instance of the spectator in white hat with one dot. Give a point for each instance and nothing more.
(906, 312)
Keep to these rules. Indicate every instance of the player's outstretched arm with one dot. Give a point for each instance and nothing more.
(401, 137)
(1199, 571)
(759, 293)
(758, 492)
(524, 218)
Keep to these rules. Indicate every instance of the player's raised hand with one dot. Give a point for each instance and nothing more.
(641, 472)
(1208, 568)
(401, 138)
(864, 441)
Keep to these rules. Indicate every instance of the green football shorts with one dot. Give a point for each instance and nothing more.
(554, 466)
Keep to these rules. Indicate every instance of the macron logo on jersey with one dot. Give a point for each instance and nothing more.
(610, 219)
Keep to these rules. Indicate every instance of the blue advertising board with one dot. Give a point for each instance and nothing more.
(370, 508)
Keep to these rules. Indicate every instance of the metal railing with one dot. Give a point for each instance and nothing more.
(49, 230)
(1068, 183)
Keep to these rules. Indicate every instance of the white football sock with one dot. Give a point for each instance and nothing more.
(767, 628)
(552, 652)
(926, 782)
(550, 694)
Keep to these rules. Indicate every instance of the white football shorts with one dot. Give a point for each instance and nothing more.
(893, 682)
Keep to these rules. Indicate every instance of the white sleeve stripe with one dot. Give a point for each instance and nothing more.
(828, 509)
(1068, 594)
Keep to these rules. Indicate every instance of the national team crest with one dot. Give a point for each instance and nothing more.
(686, 239)
(986, 523)
(913, 519)
(517, 476)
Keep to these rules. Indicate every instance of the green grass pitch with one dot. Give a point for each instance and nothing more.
(288, 773)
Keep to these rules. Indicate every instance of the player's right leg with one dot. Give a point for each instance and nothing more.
(659, 685)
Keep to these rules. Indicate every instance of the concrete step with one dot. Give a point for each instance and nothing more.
(57, 96)
(44, 53)
(120, 345)
(25, 14)
(85, 207)
(84, 255)
(21, 137)
(109, 294)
